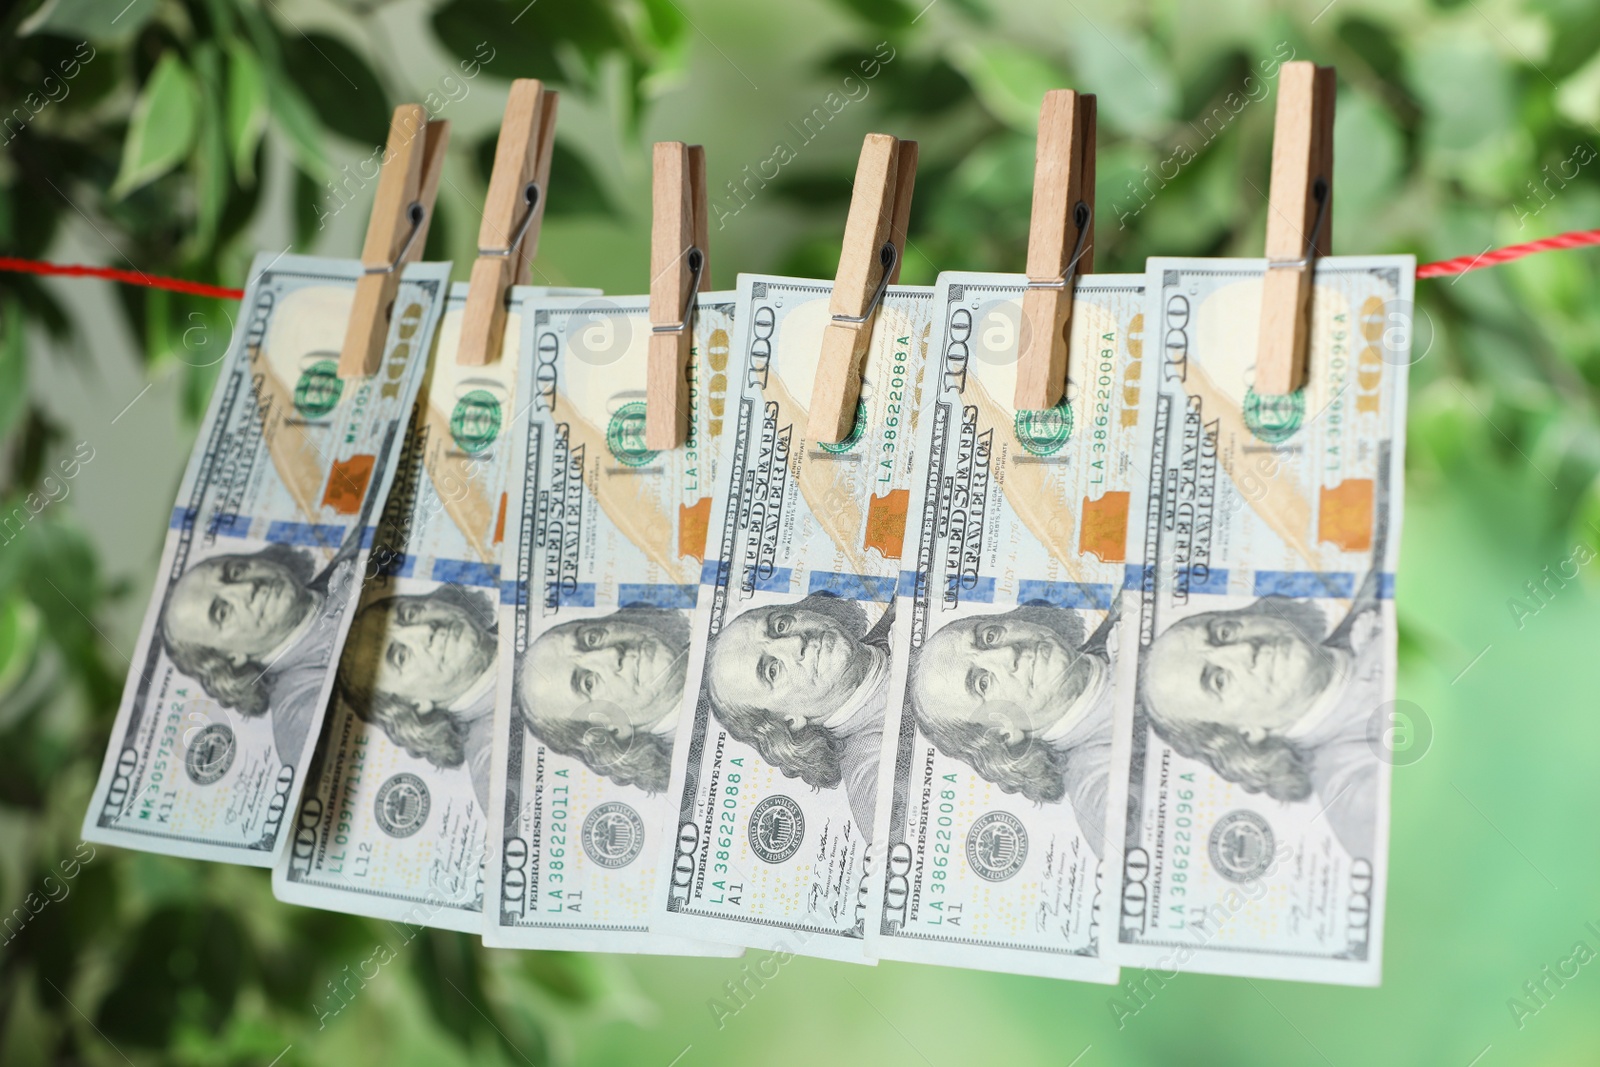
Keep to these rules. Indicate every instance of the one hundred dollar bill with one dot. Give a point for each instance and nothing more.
(261, 568)
(993, 794)
(603, 566)
(776, 763)
(393, 821)
(1255, 695)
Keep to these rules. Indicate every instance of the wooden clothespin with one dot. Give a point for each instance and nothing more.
(869, 262)
(680, 267)
(509, 234)
(408, 184)
(1299, 222)
(1060, 243)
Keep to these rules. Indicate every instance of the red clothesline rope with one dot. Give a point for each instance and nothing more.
(1462, 264)
(1443, 268)
(128, 277)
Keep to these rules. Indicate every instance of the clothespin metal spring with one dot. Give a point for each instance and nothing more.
(1319, 192)
(417, 214)
(1080, 219)
(888, 255)
(530, 196)
(696, 262)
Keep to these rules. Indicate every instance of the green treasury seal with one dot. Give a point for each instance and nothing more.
(855, 432)
(1274, 419)
(475, 422)
(625, 435)
(1044, 433)
(317, 391)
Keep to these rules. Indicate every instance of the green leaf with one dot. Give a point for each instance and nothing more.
(1375, 44)
(298, 124)
(308, 210)
(247, 109)
(203, 945)
(13, 365)
(342, 89)
(19, 637)
(210, 164)
(884, 14)
(665, 23)
(575, 188)
(1370, 151)
(94, 20)
(163, 126)
(1466, 95)
(1009, 81)
(482, 32)
(437, 245)
(901, 82)
(1146, 94)
(989, 196)
(1585, 526)
(521, 40)
(62, 580)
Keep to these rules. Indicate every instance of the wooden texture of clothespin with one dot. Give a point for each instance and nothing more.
(1299, 222)
(408, 184)
(1060, 243)
(512, 213)
(869, 262)
(680, 267)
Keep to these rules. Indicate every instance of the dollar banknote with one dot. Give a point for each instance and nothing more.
(603, 565)
(775, 767)
(394, 817)
(261, 568)
(994, 784)
(1255, 696)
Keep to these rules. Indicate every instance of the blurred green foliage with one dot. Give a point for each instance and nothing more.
(1461, 125)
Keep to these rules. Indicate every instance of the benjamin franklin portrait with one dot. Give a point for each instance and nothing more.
(606, 690)
(1023, 699)
(422, 668)
(1271, 700)
(806, 685)
(256, 631)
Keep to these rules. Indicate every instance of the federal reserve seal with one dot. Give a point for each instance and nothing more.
(317, 391)
(210, 754)
(853, 436)
(1274, 419)
(1241, 846)
(613, 835)
(997, 846)
(1044, 433)
(475, 422)
(776, 828)
(625, 435)
(402, 805)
